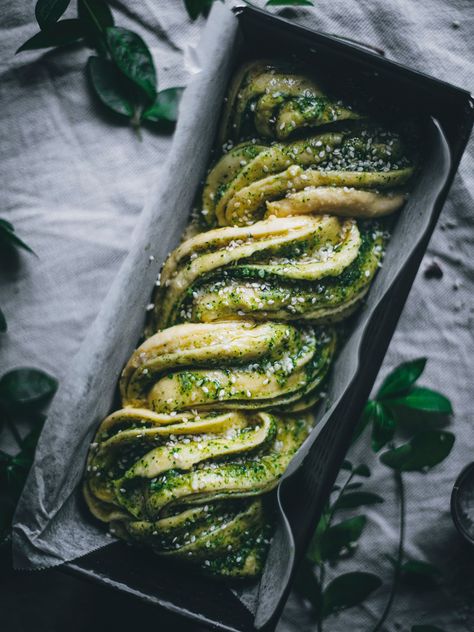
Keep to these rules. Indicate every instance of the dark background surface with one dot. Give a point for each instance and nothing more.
(51, 601)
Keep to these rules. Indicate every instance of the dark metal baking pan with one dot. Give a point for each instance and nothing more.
(446, 113)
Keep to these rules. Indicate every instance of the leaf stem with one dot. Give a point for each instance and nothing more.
(400, 552)
(322, 566)
(136, 120)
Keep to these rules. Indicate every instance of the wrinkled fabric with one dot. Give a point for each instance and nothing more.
(74, 184)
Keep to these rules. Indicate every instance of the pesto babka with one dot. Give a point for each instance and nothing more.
(220, 395)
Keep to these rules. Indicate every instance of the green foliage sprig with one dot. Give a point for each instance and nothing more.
(23, 394)
(122, 73)
(9, 244)
(400, 406)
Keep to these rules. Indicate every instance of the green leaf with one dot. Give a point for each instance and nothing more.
(165, 107)
(6, 224)
(357, 499)
(383, 425)
(195, 8)
(314, 549)
(362, 470)
(425, 628)
(306, 584)
(422, 452)
(26, 387)
(401, 378)
(3, 323)
(341, 536)
(419, 574)
(48, 12)
(292, 3)
(61, 33)
(420, 398)
(132, 56)
(109, 85)
(96, 16)
(349, 590)
(14, 470)
(8, 236)
(346, 465)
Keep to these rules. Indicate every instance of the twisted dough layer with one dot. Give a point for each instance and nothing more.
(227, 365)
(147, 472)
(355, 173)
(274, 100)
(311, 268)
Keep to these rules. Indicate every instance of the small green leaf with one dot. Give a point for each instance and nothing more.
(422, 452)
(165, 108)
(3, 323)
(401, 378)
(362, 470)
(357, 499)
(425, 628)
(6, 225)
(425, 399)
(9, 237)
(307, 585)
(195, 8)
(108, 84)
(14, 469)
(61, 33)
(26, 387)
(48, 12)
(95, 14)
(383, 425)
(419, 574)
(341, 536)
(349, 590)
(346, 465)
(314, 549)
(133, 58)
(292, 3)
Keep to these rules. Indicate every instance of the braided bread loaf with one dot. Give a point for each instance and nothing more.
(218, 398)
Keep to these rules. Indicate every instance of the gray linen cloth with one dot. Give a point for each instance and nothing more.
(74, 185)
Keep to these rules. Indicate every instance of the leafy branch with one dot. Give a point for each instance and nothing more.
(398, 400)
(122, 73)
(24, 393)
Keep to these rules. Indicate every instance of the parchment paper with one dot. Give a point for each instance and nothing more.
(49, 525)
